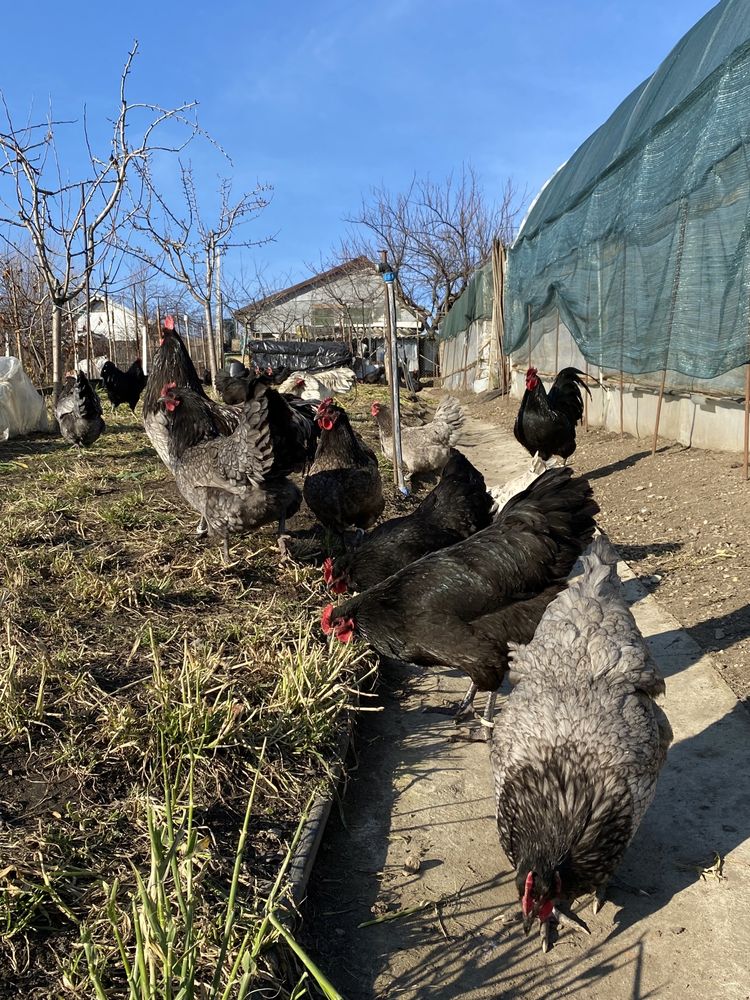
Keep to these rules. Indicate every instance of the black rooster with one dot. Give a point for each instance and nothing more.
(456, 508)
(123, 386)
(546, 423)
(461, 606)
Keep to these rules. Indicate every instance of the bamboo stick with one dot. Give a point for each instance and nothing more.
(529, 365)
(658, 410)
(586, 402)
(747, 422)
(622, 414)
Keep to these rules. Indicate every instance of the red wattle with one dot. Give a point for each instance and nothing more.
(325, 619)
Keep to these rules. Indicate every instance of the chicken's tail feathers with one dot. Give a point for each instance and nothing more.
(560, 508)
(450, 412)
(565, 393)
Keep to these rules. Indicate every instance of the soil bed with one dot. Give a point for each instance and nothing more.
(681, 519)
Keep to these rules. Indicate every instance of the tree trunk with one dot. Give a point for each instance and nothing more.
(56, 349)
(211, 341)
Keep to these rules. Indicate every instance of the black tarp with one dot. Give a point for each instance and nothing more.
(299, 355)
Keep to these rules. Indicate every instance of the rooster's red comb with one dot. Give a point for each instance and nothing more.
(169, 323)
(167, 388)
(322, 407)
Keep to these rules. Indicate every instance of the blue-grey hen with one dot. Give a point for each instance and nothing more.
(233, 480)
(578, 747)
(79, 412)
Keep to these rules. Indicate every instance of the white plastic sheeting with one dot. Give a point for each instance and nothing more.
(22, 409)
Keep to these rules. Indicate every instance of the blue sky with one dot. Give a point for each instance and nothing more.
(322, 100)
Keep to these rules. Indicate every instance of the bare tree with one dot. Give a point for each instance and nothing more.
(24, 313)
(71, 223)
(186, 248)
(437, 233)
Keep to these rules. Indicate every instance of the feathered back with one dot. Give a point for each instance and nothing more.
(79, 399)
(457, 507)
(591, 617)
(451, 412)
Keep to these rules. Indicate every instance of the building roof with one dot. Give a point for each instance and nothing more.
(314, 281)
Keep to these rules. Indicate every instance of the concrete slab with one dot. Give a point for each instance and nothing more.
(417, 826)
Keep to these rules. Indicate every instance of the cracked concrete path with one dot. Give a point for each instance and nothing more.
(416, 826)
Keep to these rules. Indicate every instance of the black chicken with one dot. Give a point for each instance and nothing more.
(343, 486)
(579, 745)
(123, 386)
(461, 606)
(232, 480)
(456, 508)
(546, 423)
(172, 364)
(79, 412)
(233, 386)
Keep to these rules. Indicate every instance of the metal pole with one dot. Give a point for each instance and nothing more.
(391, 350)
(219, 312)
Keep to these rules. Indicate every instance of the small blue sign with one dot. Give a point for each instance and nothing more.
(389, 277)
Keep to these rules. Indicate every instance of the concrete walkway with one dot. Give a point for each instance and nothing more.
(417, 826)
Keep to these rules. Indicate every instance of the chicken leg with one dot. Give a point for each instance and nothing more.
(467, 701)
(283, 540)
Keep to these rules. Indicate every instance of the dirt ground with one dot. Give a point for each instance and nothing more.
(411, 896)
(681, 519)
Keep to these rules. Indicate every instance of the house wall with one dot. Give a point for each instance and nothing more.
(357, 298)
(121, 325)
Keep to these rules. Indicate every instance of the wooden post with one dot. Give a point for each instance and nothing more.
(747, 421)
(658, 410)
(622, 414)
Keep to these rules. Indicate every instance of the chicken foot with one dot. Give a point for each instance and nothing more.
(283, 540)
(561, 916)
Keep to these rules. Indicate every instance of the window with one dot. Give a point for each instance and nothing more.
(323, 316)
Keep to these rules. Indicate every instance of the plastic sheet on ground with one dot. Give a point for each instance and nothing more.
(299, 355)
(22, 409)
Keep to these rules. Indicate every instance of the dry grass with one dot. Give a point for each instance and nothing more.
(145, 691)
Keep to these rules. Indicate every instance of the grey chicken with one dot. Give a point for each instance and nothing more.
(423, 449)
(578, 746)
(228, 478)
(79, 412)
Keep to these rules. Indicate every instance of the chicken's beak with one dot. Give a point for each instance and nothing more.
(528, 922)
